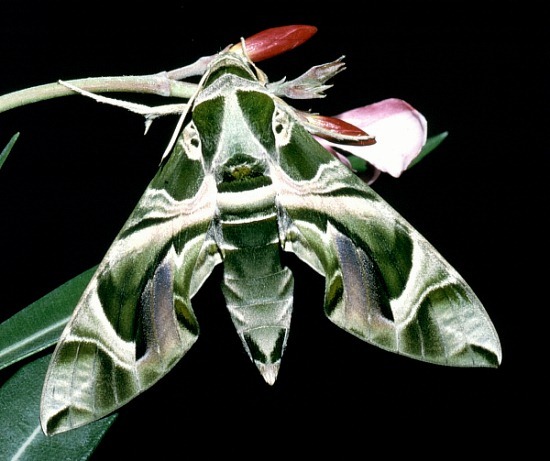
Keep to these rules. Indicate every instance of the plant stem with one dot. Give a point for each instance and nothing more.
(159, 84)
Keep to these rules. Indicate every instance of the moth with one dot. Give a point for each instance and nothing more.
(243, 182)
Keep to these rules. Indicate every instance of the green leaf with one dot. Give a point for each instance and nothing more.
(21, 437)
(6, 150)
(358, 164)
(431, 144)
(40, 324)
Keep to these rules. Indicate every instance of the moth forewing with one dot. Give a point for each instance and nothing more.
(384, 282)
(134, 320)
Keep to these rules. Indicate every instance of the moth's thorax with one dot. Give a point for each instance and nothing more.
(227, 110)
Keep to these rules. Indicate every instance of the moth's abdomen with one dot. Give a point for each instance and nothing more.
(257, 288)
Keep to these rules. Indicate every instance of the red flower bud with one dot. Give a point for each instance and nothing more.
(337, 130)
(274, 41)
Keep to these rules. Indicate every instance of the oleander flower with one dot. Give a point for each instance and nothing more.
(399, 129)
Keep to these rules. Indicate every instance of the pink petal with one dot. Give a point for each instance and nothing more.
(400, 132)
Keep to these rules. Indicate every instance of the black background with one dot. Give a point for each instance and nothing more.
(79, 168)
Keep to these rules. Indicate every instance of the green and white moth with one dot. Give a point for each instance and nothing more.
(244, 181)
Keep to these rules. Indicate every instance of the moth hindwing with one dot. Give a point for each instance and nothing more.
(244, 181)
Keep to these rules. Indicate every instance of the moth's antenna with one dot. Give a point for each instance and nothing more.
(262, 77)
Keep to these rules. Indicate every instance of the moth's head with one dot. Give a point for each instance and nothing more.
(229, 62)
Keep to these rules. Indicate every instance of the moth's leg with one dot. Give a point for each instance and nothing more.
(141, 109)
(150, 113)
